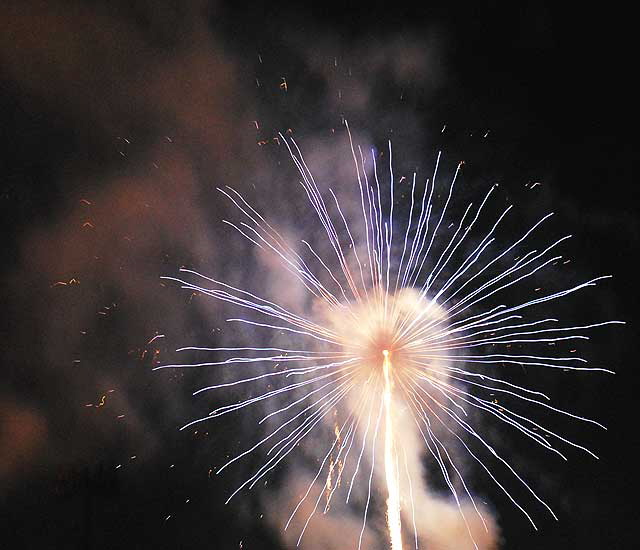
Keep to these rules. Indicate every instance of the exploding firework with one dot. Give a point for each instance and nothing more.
(401, 342)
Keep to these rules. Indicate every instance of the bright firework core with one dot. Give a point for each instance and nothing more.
(391, 334)
(398, 327)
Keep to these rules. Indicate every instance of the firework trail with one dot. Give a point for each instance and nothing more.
(396, 347)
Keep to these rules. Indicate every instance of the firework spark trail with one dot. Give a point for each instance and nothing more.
(393, 501)
(430, 310)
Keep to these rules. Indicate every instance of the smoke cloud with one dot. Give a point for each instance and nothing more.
(160, 113)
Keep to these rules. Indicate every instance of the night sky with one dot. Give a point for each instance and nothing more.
(117, 122)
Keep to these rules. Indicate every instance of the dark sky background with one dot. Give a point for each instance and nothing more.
(118, 120)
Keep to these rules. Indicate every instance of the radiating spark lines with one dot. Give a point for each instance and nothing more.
(415, 324)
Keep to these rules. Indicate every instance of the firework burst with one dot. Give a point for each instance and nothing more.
(397, 345)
